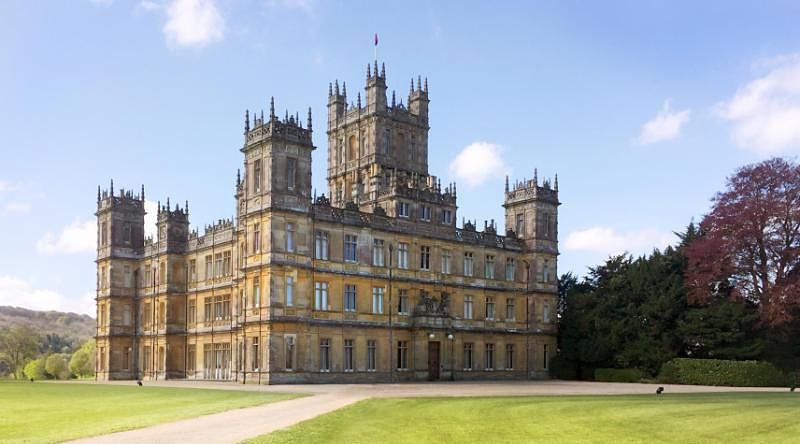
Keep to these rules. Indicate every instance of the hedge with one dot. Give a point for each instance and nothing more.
(721, 372)
(617, 375)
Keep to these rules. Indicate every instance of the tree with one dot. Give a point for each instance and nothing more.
(750, 241)
(34, 369)
(81, 364)
(56, 366)
(19, 344)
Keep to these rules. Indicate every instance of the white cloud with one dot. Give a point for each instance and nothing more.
(479, 162)
(765, 113)
(609, 242)
(6, 186)
(17, 292)
(77, 237)
(193, 23)
(17, 207)
(150, 218)
(666, 125)
(148, 6)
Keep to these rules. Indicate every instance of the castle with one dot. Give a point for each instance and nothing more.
(372, 282)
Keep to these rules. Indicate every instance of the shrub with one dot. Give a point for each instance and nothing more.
(617, 375)
(721, 372)
(35, 369)
(56, 366)
(81, 364)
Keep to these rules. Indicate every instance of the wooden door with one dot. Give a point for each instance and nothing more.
(433, 361)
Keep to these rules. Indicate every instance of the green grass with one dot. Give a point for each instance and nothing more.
(45, 412)
(678, 418)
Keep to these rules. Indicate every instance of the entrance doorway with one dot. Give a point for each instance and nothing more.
(433, 361)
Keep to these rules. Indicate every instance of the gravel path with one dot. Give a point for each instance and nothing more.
(233, 426)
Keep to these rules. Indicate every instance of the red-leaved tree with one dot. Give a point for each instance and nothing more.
(750, 241)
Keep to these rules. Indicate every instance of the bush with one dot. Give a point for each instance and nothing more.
(56, 366)
(721, 372)
(81, 364)
(617, 375)
(35, 369)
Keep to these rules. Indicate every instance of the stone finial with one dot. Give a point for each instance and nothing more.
(506, 183)
(426, 85)
(142, 192)
(98, 193)
(376, 68)
(308, 123)
(238, 177)
(411, 91)
(344, 89)
(167, 207)
(393, 101)
(555, 185)
(186, 207)
(383, 70)
(111, 193)
(369, 74)
(419, 83)
(330, 89)
(262, 116)
(158, 206)
(337, 87)
(536, 177)
(297, 118)
(358, 100)
(246, 121)
(286, 116)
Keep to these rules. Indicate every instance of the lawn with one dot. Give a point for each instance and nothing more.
(678, 418)
(43, 412)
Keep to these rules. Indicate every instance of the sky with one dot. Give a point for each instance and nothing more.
(642, 108)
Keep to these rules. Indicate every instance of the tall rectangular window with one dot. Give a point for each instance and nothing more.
(191, 358)
(403, 209)
(217, 265)
(126, 233)
(321, 296)
(546, 313)
(377, 300)
(488, 267)
(209, 267)
(546, 271)
(256, 293)
(257, 175)
(424, 258)
(321, 245)
(348, 355)
(467, 307)
(377, 252)
(468, 268)
(489, 307)
(325, 355)
(226, 263)
(386, 141)
(489, 358)
(208, 309)
(511, 269)
(256, 238)
(447, 257)
(509, 356)
(510, 309)
(104, 233)
(290, 237)
(402, 302)
(425, 213)
(402, 355)
(349, 297)
(291, 173)
(402, 255)
(290, 352)
(447, 217)
(289, 291)
(350, 244)
(520, 224)
(192, 311)
(468, 361)
(192, 270)
(371, 355)
(544, 356)
(254, 358)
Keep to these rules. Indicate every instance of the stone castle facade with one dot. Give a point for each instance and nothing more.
(372, 282)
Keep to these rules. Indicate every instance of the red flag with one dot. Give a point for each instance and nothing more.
(376, 39)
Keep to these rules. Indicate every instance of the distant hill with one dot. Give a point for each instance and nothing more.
(70, 327)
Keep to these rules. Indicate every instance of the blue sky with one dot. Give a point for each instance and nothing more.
(642, 108)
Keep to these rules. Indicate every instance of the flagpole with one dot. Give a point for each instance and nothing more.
(375, 47)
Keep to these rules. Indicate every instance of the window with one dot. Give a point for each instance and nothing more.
(447, 257)
(126, 358)
(290, 352)
(520, 224)
(192, 270)
(256, 293)
(425, 213)
(290, 238)
(544, 356)
(162, 275)
(104, 233)
(324, 355)
(467, 307)
(468, 361)
(256, 238)
(424, 258)
(226, 263)
(350, 248)
(291, 173)
(510, 309)
(208, 309)
(488, 267)
(546, 271)
(489, 307)
(403, 209)
(321, 296)
(222, 307)
(402, 255)
(257, 175)
(102, 310)
(509, 356)
(377, 300)
(447, 217)
(371, 355)
(191, 358)
(103, 277)
(348, 355)
(377, 252)
(321, 245)
(126, 315)
(489, 357)
(402, 302)
(255, 358)
(162, 314)
(468, 264)
(289, 291)
(217, 265)
(126, 233)
(349, 297)
(402, 355)
(148, 275)
(546, 313)
(386, 141)
(192, 309)
(511, 269)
